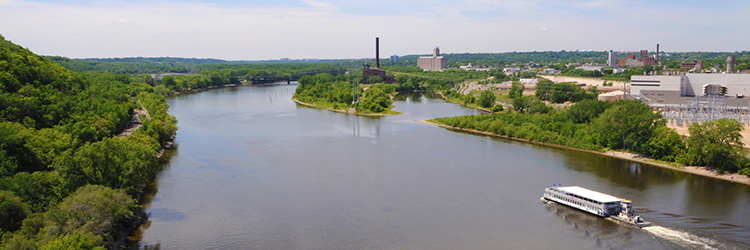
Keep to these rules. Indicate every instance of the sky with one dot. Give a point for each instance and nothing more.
(343, 29)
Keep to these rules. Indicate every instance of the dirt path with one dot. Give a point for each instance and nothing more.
(135, 120)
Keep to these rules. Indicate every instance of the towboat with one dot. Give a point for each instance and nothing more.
(596, 203)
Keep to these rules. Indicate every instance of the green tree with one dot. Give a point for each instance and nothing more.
(666, 144)
(376, 99)
(76, 241)
(586, 110)
(716, 144)
(38, 189)
(539, 107)
(516, 90)
(112, 162)
(468, 99)
(522, 103)
(629, 124)
(487, 99)
(12, 211)
(497, 108)
(168, 81)
(543, 89)
(91, 209)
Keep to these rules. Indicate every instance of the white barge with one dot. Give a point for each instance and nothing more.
(596, 203)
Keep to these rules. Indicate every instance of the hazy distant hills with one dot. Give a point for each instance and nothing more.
(146, 65)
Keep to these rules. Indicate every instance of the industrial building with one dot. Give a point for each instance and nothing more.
(695, 65)
(368, 71)
(690, 84)
(695, 97)
(434, 62)
(645, 60)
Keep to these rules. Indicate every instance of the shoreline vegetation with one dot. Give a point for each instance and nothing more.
(344, 111)
(702, 171)
(338, 94)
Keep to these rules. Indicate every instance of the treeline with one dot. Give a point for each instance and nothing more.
(65, 181)
(710, 59)
(338, 93)
(623, 125)
(207, 67)
(414, 78)
(235, 74)
(135, 65)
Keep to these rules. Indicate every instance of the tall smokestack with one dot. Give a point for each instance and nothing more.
(377, 52)
(657, 52)
(730, 64)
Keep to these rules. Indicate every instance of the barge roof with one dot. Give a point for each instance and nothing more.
(591, 194)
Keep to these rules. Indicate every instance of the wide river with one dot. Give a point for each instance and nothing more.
(253, 170)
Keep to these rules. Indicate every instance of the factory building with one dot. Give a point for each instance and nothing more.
(695, 98)
(690, 85)
(696, 65)
(434, 62)
(645, 60)
(368, 71)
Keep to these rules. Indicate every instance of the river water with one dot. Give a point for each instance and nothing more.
(253, 170)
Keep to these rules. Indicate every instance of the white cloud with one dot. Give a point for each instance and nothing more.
(322, 30)
(599, 4)
(11, 3)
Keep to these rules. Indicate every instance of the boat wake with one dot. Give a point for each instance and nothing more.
(684, 239)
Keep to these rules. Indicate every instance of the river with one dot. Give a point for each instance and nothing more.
(253, 170)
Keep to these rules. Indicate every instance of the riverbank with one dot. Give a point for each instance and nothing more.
(702, 171)
(350, 111)
(483, 110)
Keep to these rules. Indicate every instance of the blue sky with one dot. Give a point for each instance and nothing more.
(261, 30)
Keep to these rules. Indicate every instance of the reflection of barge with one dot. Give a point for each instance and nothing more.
(596, 203)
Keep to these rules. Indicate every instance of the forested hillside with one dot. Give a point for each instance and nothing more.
(134, 65)
(66, 182)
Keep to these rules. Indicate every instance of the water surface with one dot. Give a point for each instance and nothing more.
(253, 170)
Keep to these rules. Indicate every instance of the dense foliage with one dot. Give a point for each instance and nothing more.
(134, 65)
(66, 182)
(414, 78)
(547, 90)
(626, 124)
(326, 91)
(223, 74)
(338, 92)
(376, 99)
(716, 144)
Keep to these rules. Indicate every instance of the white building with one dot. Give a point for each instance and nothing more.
(591, 67)
(434, 62)
(612, 60)
(690, 84)
(529, 81)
